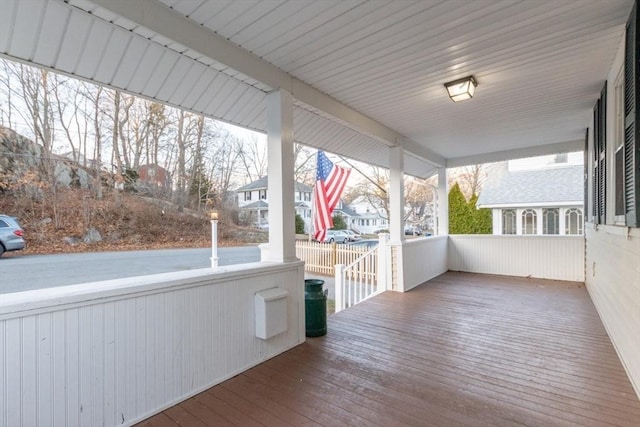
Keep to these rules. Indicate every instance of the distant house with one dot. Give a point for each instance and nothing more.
(544, 200)
(367, 219)
(155, 175)
(253, 202)
(350, 216)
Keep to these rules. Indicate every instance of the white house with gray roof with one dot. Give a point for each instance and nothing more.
(253, 202)
(546, 200)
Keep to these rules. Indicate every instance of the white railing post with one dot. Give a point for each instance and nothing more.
(339, 290)
(384, 262)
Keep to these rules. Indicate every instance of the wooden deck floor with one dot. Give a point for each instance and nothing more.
(461, 350)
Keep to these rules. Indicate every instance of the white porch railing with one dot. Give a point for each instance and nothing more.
(322, 257)
(362, 279)
(356, 281)
(115, 352)
(546, 257)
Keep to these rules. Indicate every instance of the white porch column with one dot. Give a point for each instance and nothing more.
(280, 172)
(443, 203)
(396, 194)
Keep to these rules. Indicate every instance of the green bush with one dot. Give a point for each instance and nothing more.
(339, 223)
(299, 224)
(464, 217)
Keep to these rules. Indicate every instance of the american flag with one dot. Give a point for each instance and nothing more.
(330, 181)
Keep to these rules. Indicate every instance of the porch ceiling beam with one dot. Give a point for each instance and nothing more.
(519, 153)
(174, 26)
(423, 153)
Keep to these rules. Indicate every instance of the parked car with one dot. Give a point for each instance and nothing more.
(353, 236)
(11, 234)
(338, 236)
(365, 243)
(412, 231)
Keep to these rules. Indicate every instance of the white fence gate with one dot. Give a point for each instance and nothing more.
(322, 257)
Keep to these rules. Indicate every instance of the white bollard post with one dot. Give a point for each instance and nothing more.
(214, 243)
(339, 290)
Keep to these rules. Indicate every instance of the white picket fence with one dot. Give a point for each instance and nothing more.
(321, 258)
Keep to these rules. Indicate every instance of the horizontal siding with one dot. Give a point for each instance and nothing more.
(613, 282)
(119, 359)
(423, 259)
(545, 257)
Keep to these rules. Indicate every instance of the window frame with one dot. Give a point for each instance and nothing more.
(579, 221)
(556, 221)
(513, 219)
(533, 214)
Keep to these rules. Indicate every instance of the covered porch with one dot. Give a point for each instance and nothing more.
(363, 80)
(460, 349)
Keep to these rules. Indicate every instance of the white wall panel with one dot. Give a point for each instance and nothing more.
(545, 257)
(422, 260)
(613, 282)
(113, 353)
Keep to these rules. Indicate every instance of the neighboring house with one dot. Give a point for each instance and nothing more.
(350, 216)
(367, 219)
(545, 200)
(254, 208)
(254, 203)
(155, 175)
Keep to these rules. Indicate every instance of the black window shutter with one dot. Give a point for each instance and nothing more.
(602, 156)
(586, 174)
(631, 140)
(595, 197)
(599, 157)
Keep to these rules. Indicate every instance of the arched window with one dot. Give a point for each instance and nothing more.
(529, 222)
(550, 218)
(509, 221)
(573, 221)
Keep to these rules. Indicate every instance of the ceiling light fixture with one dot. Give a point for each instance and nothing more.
(461, 89)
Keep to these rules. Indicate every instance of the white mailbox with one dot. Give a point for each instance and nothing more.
(271, 312)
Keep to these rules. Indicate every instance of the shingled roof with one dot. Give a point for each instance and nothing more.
(261, 184)
(556, 185)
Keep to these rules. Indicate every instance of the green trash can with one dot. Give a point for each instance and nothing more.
(315, 308)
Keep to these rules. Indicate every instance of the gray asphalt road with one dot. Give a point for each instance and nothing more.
(21, 273)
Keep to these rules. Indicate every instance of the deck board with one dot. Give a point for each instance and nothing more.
(461, 350)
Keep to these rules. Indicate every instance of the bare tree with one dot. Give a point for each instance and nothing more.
(67, 108)
(115, 156)
(375, 190)
(95, 96)
(470, 179)
(6, 113)
(305, 166)
(253, 156)
(224, 159)
(35, 94)
(419, 202)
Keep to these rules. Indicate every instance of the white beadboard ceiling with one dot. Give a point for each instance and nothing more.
(365, 74)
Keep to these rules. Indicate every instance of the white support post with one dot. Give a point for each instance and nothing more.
(443, 203)
(384, 262)
(280, 174)
(396, 194)
(339, 287)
